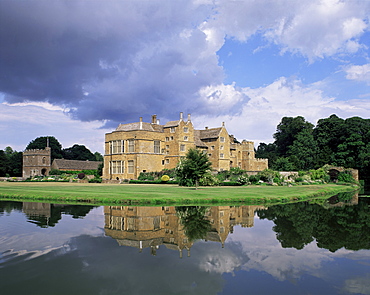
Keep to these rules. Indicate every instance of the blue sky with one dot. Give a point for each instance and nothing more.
(76, 69)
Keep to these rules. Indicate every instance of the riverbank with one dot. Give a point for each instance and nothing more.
(136, 194)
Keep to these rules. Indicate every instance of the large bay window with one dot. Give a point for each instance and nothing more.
(157, 146)
(116, 167)
(116, 146)
(130, 166)
(131, 145)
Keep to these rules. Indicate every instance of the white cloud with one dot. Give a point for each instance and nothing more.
(261, 109)
(314, 29)
(22, 122)
(359, 73)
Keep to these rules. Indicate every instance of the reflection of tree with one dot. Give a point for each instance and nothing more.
(9, 206)
(194, 221)
(298, 224)
(56, 212)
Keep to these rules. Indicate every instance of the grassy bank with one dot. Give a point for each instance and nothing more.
(136, 194)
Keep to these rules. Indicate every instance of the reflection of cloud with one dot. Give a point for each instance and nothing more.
(32, 239)
(219, 260)
(266, 254)
(358, 285)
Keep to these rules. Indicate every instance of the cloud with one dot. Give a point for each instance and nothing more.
(261, 109)
(42, 119)
(121, 60)
(113, 60)
(314, 29)
(359, 73)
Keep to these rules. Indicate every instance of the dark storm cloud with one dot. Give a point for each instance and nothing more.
(112, 60)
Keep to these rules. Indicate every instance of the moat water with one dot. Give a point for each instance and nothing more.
(297, 248)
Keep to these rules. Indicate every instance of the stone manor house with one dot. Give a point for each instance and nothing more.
(147, 147)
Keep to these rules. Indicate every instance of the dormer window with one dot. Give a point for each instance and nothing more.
(186, 129)
(172, 129)
(222, 139)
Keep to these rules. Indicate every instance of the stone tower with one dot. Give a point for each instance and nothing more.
(36, 162)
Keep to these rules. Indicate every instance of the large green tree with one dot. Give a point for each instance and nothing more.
(303, 152)
(43, 141)
(287, 132)
(78, 152)
(193, 167)
(10, 162)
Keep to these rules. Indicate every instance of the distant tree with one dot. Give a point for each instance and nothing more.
(41, 143)
(10, 162)
(4, 163)
(267, 151)
(78, 152)
(15, 164)
(329, 133)
(283, 164)
(98, 156)
(287, 132)
(305, 150)
(193, 167)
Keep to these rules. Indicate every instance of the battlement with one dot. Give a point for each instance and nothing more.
(45, 151)
(261, 160)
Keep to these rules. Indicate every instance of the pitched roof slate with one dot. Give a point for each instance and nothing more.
(75, 164)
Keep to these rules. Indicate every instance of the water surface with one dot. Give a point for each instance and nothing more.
(284, 249)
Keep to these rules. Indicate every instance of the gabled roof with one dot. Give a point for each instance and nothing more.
(172, 124)
(197, 141)
(210, 133)
(136, 126)
(75, 164)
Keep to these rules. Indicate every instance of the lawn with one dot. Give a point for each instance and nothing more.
(157, 194)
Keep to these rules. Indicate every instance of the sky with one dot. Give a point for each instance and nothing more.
(76, 69)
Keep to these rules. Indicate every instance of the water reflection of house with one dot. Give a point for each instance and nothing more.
(37, 209)
(150, 227)
(143, 227)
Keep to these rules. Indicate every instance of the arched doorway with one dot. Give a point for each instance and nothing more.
(333, 173)
(43, 171)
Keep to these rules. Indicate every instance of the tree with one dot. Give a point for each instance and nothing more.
(98, 157)
(193, 167)
(267, 151)
(10, 162)
(287, 132)
(329, 133)
(78, 152)
(41, 143)
(305, 149)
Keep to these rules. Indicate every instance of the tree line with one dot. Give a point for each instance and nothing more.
(299, 145)
(11, 160)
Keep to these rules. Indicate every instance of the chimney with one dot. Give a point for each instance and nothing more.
(223, 124)
(206, 127)
(141, 123)
(154, 119)
(181, 115)
(188, 117)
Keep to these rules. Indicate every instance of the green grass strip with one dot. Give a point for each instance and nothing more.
(157, 194)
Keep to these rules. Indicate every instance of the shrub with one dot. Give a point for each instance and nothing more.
(254, 179)
(95, 180)
(242, 180)
(346, 176)
(81, 175)
(268, 175)
(55, 172)
(165, 178)
(230, 183)
(209, 180)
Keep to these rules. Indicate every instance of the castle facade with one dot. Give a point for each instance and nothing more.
(148, 147)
